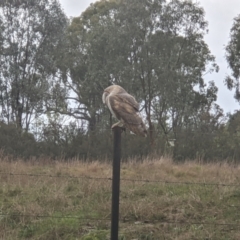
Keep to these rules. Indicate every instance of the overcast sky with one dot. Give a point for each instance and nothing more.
(219, 14)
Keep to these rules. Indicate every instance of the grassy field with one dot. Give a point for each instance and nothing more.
(72, 200)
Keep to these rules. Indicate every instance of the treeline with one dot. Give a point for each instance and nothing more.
(53, 71)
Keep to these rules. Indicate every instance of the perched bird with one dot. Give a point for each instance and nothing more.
(125, 108)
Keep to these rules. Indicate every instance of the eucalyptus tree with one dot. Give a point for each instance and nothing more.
(89, 61)
(155, 49)
(233, 58)
(31, 33)
(168, 56)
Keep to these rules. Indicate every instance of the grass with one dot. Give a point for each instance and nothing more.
(57, 200)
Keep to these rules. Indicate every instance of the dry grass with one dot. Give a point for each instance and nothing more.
(37, 206)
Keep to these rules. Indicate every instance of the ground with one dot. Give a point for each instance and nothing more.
(159, 199)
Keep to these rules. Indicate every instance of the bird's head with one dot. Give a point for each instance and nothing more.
(115, 89)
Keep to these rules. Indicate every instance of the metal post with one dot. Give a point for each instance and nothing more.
(116, 182)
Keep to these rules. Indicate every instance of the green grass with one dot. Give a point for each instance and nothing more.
(41, 207)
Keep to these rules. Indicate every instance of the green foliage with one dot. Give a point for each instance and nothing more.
(15, 142)
(233, 57)
(31, 37)
(233, 136)
(233, 48)
(53, 67)
(154, 49)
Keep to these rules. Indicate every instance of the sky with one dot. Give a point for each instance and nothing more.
(219, 14)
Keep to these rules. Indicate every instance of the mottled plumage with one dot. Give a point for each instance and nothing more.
(125, 108)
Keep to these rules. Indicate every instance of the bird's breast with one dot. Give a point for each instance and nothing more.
(110, 107)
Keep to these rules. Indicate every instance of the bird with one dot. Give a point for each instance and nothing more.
(125, 108)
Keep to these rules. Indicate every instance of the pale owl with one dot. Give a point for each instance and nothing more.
(125, 108)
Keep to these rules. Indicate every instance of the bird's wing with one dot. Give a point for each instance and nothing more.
(128, 99)
(125, 108)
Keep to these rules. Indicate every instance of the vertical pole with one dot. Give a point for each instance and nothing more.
(116, 182)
